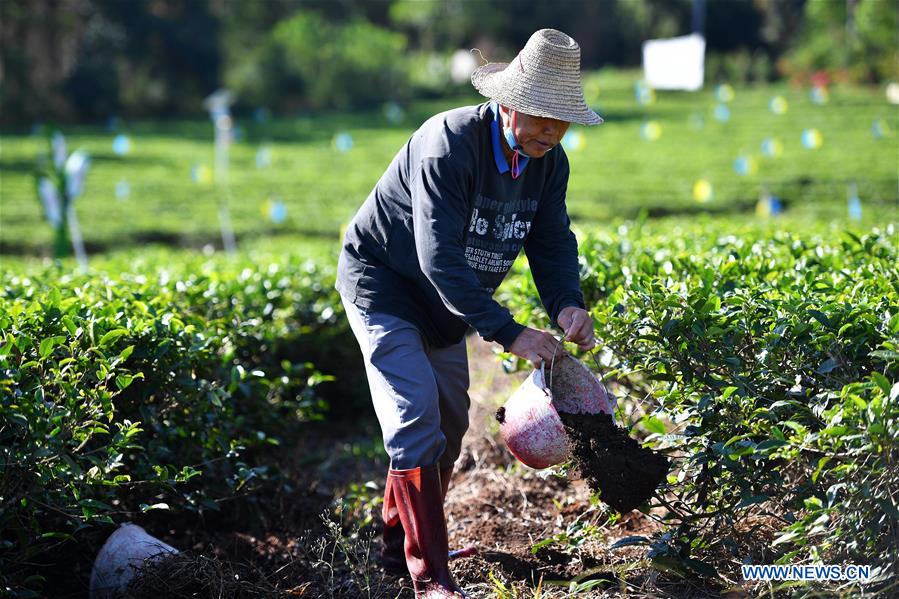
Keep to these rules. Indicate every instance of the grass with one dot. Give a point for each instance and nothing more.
(615, 174)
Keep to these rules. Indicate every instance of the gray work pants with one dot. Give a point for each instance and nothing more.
(420, 394)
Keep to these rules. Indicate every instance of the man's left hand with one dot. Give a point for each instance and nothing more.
(578, 327)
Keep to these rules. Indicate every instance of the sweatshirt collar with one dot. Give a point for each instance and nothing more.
(495, 133)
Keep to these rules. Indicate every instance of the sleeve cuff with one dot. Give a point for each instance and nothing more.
(508, 333)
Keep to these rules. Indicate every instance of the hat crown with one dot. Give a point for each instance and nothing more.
(550, 56)
(555, 39)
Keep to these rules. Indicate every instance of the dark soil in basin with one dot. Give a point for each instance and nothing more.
(625, 473)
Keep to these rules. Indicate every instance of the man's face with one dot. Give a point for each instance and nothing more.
(537, 135)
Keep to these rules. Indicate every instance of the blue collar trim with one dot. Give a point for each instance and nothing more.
(501, 165)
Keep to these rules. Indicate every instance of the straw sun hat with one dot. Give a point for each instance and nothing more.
(543, 80)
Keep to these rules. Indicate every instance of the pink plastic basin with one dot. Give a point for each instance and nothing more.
(530, 423)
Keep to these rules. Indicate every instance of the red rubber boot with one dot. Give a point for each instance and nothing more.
(393, 557)
(446, 475)
(418, 499)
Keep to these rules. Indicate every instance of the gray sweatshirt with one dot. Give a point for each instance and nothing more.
(443, 225)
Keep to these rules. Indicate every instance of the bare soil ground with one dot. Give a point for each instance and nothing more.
(536, 535)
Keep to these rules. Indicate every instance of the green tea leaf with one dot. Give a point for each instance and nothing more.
(752, 500)
(629, 541)
(653, 424)
(889, 508)
(47, 345)
(820, 317)
(96, 504)
(111, 336)
(827, 366)
(881, 381)
(770, 444)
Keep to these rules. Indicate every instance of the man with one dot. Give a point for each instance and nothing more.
(422, 258)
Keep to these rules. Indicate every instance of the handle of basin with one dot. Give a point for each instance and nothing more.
(552, 362)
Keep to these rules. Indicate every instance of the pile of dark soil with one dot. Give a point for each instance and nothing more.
(187, 575)
(625, 473)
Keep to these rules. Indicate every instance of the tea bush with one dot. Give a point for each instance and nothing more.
(765, 362)
(772, 364)
(158, 389)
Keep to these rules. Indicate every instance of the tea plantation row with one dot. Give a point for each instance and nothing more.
(164, 388)
(767, 364)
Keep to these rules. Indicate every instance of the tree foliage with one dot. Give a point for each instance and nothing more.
(307, 62)
(858, 38)
(90, 59)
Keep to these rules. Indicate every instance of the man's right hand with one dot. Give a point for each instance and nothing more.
(537, 346)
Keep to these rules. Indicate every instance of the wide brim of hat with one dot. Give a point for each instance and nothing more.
(488, 81)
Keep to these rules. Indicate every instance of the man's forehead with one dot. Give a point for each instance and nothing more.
(530, 116)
